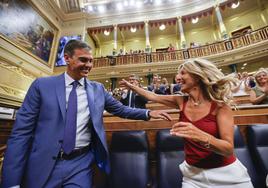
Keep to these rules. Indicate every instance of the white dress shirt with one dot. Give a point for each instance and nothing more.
(83, 115)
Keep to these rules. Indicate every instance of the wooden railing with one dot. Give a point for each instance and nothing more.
(202, 51)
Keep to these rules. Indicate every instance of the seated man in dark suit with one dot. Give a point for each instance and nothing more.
(156, 86)
(132, 99)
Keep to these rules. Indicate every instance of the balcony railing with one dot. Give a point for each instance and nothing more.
(201, 51)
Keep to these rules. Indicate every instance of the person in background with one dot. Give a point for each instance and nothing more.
(176, 89)
(259, 94)
(110, 91)
(155, 86)
(241, 87)
(166, 85)
(132, 99)
(170, 48)
(251, 82)
(207, 126)
(58, 133)
(121, 52)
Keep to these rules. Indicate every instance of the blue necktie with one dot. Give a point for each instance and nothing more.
(70, 127)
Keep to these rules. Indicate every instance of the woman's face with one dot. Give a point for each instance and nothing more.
(188, 81)
(262, 78)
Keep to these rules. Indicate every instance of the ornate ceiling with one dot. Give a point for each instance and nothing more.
(137, 10)
(107, 12)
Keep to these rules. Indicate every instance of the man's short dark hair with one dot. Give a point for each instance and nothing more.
(136, 77)
(75, 44)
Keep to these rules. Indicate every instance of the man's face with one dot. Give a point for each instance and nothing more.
(133, 80)
(80, 64)
(178, 79)
(155, 79)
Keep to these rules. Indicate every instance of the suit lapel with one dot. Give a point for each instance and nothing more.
(60, 90)
(90, 97)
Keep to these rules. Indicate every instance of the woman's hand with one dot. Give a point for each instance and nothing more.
(188, 130)
(125, 84)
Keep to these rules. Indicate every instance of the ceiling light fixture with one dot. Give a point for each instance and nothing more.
(125, 3)
(235, 5)
(162, 27)
(133, 29)
(195, 20)
(131, 2)
(89, 8)
(101, 8)
(119, 6)
(107, 33)
(158, 2)
(138, 4)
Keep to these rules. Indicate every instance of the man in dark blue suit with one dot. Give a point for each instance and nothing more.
(59, 132)
(132, 99)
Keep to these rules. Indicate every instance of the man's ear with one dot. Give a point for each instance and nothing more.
(66, 58)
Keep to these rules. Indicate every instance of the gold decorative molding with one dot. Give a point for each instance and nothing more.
(17, 70)
(11, 97)
(13, 91)
(18, 57)
(18, 93)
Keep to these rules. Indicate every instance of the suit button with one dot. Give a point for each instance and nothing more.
(60, 141)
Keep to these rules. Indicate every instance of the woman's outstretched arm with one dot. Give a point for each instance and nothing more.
(173, 101)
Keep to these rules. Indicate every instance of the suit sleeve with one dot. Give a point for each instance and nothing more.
(117, 108)
(19, 142)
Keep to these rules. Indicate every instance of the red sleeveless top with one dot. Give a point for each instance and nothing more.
(196, 154)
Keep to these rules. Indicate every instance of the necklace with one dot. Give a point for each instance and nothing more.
(197, 103)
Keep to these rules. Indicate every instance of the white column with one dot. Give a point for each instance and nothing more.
(182, 37)
(84, 30)
(147, 42)
(115, 37)
(224, 34)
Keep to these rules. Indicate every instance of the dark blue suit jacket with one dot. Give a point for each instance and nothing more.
(36, 137)
(138, 101)
(161, 90)
(176, 88)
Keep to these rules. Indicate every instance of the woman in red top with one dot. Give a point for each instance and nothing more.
(206, 124)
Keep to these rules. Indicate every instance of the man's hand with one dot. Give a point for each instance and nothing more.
(159, 114)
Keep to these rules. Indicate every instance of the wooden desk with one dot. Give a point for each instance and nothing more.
(242, 99)
(251, 114)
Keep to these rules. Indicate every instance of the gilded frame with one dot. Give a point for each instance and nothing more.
(25, 27)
